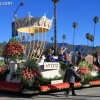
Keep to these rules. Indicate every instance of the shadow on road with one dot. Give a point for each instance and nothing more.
(59, 96)
(15, 95)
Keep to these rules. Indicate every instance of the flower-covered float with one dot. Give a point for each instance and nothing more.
(28, 78)
(28, 71)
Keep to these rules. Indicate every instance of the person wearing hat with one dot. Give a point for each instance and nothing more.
(79, 57)
(70, 76)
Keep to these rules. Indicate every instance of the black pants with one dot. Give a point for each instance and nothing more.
(71, 88)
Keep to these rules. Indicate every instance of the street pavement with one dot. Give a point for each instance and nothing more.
(82, 94)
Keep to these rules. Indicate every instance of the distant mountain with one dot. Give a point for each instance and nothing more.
(83, 48)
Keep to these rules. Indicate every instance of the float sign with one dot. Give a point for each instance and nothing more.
(51, 65)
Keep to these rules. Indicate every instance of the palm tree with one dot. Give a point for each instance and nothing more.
(95, 19)
(52, 39)
(88, 36)
(91, 39)
(64, 37)
(55, 28)
(74, 26)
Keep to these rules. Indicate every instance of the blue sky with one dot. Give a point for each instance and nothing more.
(68, 11)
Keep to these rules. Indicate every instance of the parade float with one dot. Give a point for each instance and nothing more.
(20, 55)
(28, 71)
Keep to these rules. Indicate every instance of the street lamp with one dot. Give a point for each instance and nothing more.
(55, 30)
(21, 4)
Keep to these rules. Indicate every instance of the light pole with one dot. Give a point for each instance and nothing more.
(21, 4)
(55, 29)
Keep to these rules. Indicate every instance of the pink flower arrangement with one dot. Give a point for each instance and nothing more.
(95, 67)
(83, 70)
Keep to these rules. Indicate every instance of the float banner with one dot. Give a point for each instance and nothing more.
(14, 30)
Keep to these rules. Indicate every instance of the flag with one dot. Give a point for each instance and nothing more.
(14, 30)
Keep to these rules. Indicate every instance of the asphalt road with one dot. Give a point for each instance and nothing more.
(84, 94)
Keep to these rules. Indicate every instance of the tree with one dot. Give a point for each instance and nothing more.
(64, 37)
(91, 39)
(95, 19)
(74, 26)
(55, 28)
(88, 36)
(52, 39)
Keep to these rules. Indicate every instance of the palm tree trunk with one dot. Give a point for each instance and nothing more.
(87, 45)
(93, 40)
(94, 33)
(55, 29)
(73, 41)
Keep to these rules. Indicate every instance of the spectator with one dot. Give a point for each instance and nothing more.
(79, 58)
(70, 75)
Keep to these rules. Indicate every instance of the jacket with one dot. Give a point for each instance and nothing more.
(70, 75)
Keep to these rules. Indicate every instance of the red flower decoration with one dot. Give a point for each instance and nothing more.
(30, 73)
(12, 49)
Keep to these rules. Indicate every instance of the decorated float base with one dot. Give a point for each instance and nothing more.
(13, 68)
(30, 92)
(51, 74)
(49, 69)
(86, 85)
(11, 86)
(15, 80)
